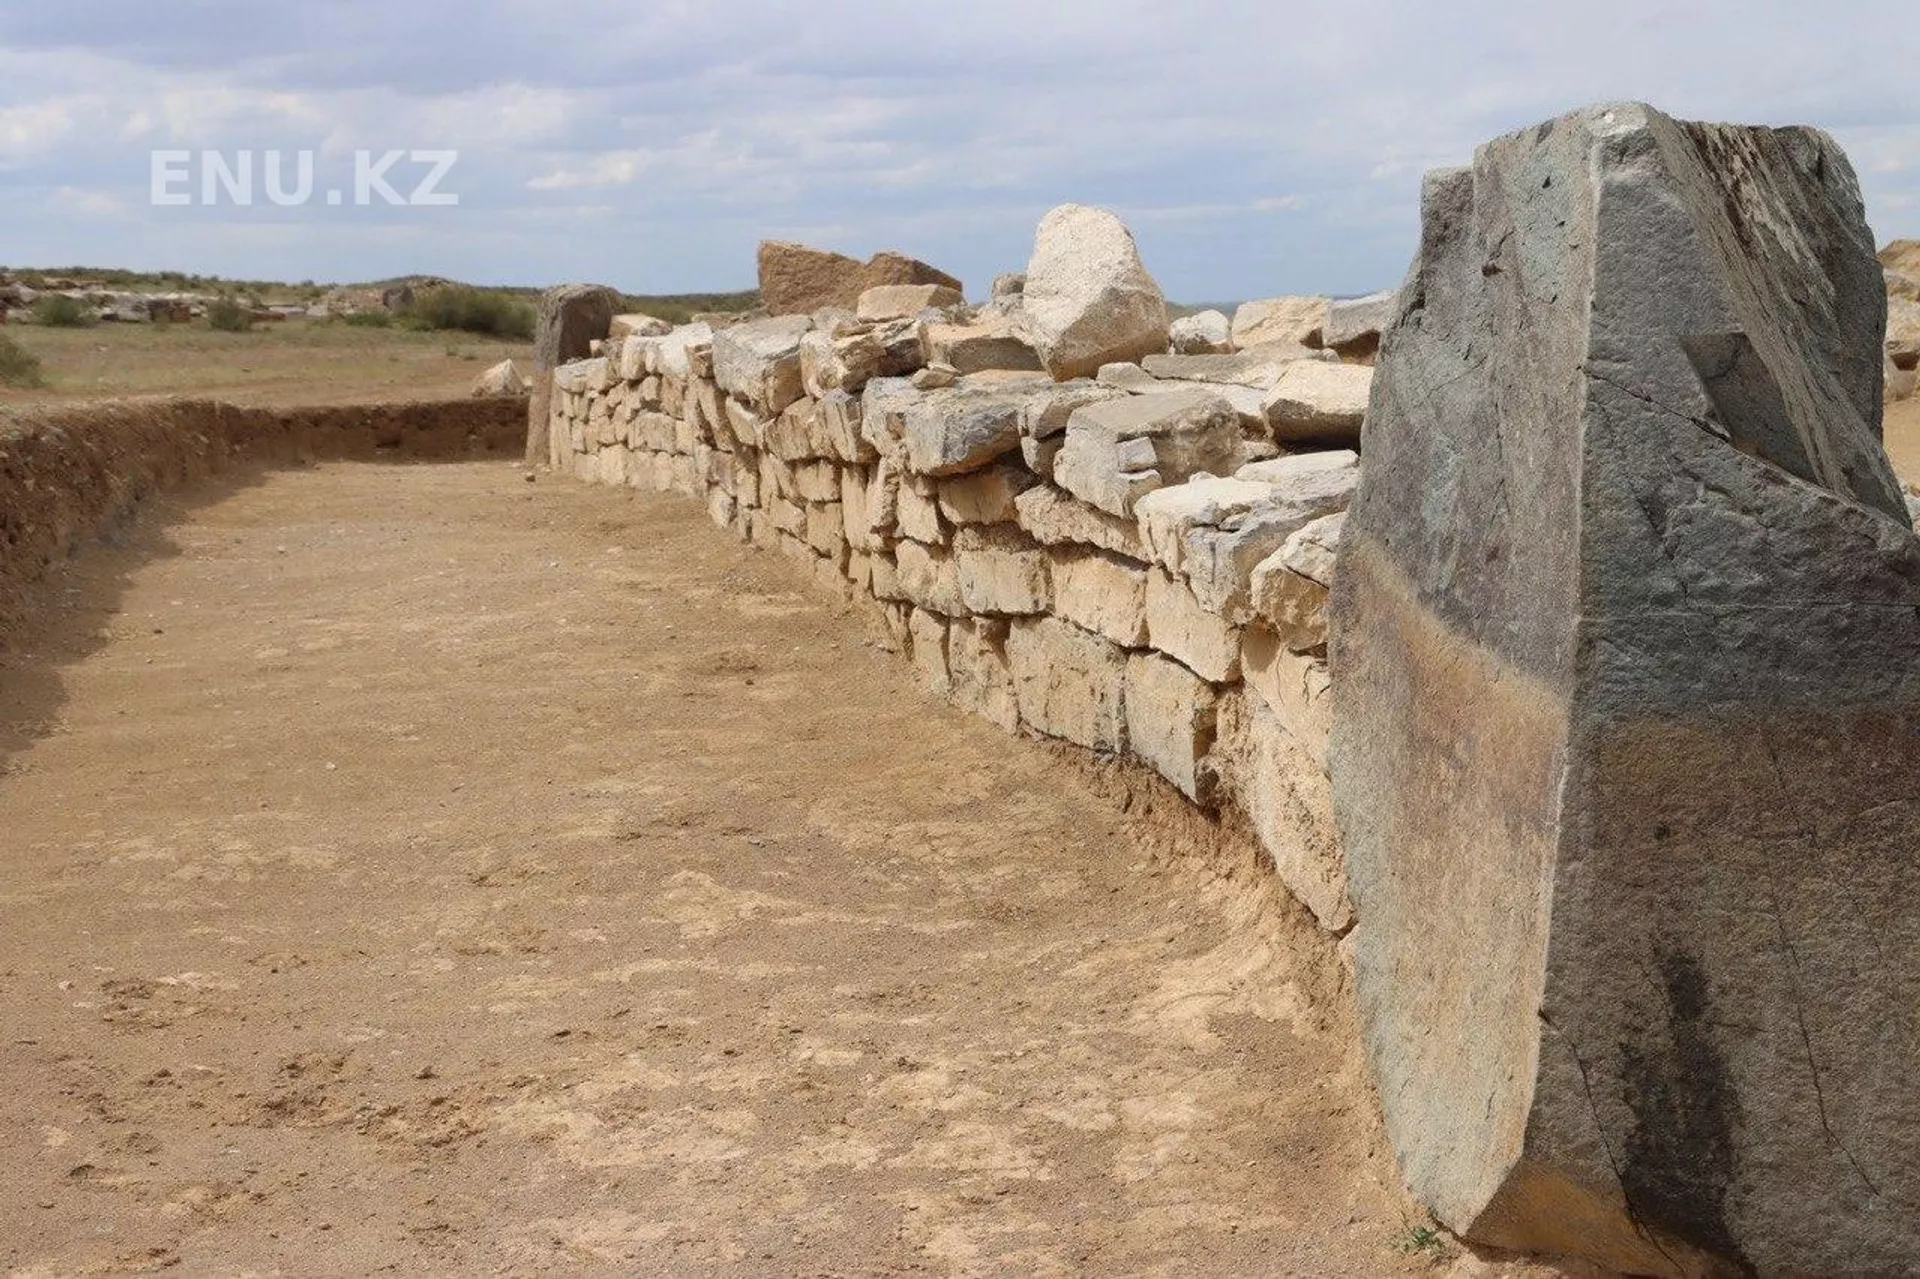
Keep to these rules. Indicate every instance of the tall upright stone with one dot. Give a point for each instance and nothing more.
(569, 319)
(1626, 643)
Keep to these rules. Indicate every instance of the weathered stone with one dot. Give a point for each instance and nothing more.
(1119, 450)
(1313, 550)
(1903, 333)
(830, 363)
(927, 577)
(1292, 606)
(1170, 723)
(797, 280)
(917, 515)
(1901, 285)
(985, 496)
(759, 361)
(1068, 683)
(634, 325)
(503, 379)
(1288, 801)
(1100, 592)
(935, 377)
(569, 319)
(903, 301)
(1009, 284)
(1259, 369)
(686, 352)
(954, 431)
(1317, 402)
(1054, 518)
(1299, 320)
(1127, 377)
(1354, 325)
(1296, 688)
(1626, 633)
(1088, 299)
(1203, 333)
(979, 347)
(928, 652)
(982, 680)
(1001, 570)
(1207, 643)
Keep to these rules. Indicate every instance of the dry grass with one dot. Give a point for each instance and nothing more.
(292, 363)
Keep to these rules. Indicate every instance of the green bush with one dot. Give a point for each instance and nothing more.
(19, 366)
(229, 316)
(471, 310)
(370, 319)
(58, 311)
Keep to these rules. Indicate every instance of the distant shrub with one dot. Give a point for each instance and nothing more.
(229, 316)
(471, 310)
(19, 366)
(58, 311)
(369, 319)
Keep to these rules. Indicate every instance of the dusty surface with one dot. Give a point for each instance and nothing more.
(1903, 439)
(296, 362)
(410, 868)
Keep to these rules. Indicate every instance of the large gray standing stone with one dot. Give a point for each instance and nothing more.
(569, 319)
(1088, 299)
(1626, 638)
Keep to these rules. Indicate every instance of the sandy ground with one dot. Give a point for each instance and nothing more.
(296, 362)
(414, 869)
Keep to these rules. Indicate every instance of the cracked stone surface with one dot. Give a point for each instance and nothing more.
(1627, 638)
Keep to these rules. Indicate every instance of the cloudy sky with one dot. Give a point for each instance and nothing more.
(1255, 147)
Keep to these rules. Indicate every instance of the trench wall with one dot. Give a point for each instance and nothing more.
(71, 473)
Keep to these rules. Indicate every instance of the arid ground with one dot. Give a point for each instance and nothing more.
(413, 869)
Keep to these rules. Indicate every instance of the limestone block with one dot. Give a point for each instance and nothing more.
(1354, 325)
(685, 352)
(747, 428)
(759, 361)
(829, 363)
(976, 348)
(1626, 634)
(984, 496)
(1207, 643)
(1313, 550)
(788, 517)
(928, 577)
(825, 531)
(1296, 688)
(883, 415)
(1292, 606)
(929, 651)
(795, 435)
(1120, 450)
(905, 301)
(1055, 518)
(1129, 377)
(885, 577)
(1088, 299)
(1288, 800)
(798, 280)
(1298, 320)
(634, 324)
(1170, 723)
(1100, 592)
(954, 431)
(502, 379)
(935, 377)
(917, 516)
(1203, 333)
(1001, 570)
(1257, 370)
(817, 481)
(1069, 683)
(840, 421)
(721, 508)
(1316, 402)
(980, 678)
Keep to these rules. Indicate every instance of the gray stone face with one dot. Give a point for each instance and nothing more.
(1626, 637)
(569, 319)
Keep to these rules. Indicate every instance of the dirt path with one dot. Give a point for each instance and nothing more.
(414, 869)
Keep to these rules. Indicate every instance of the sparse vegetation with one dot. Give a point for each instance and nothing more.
(369, 319)
(470, 310)
(228, 316)
(19, 367)
(57, 311)
(680, 308)
(1428, 1241)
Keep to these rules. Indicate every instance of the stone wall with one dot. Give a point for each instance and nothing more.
(1123, 562)
(68, 474)
(1084, 522)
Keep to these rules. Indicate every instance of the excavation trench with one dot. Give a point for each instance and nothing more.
(414, 867)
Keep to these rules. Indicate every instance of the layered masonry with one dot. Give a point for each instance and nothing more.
(1133, 557)
(1624, 630)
